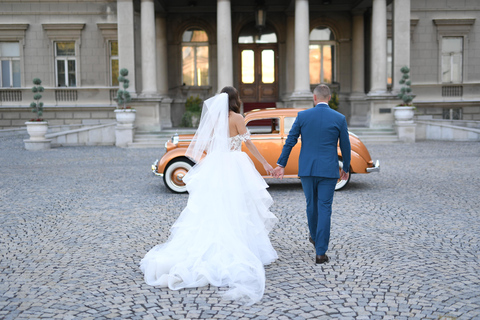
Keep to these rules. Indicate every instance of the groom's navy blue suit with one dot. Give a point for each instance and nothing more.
(320, 129)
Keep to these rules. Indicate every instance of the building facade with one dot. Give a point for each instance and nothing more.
(273, 51)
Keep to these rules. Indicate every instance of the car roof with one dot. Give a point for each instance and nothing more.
(273, 112)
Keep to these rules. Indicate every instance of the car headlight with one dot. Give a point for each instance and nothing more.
(175, 139)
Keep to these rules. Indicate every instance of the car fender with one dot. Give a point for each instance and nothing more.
(357, 163)
(169, 156)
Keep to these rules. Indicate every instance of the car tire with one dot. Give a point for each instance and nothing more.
(174, 174)
(342, 183)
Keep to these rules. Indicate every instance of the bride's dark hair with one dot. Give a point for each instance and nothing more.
(234, 101)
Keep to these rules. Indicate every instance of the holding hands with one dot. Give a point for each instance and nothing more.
(278, 172)
(268, 168)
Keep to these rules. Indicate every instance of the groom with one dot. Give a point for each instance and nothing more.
(320, 128)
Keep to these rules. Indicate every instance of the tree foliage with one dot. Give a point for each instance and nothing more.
(405, 92)
(37, 106)
(123, 96)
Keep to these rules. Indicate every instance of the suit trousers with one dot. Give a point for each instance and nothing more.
(319, 195)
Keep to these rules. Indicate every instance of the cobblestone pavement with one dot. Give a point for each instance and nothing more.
(75, 222)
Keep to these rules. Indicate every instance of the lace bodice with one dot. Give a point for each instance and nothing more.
(236, 142)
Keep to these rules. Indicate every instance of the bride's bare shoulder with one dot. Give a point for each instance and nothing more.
(236, 117)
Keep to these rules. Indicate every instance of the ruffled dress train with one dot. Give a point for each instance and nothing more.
(221, 237)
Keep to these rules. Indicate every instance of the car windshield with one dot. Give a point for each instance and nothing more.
(287, 124)
(264, 126)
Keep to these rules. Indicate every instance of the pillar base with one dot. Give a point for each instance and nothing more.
(34, 145)
(380, 110)
(165, 113)
(148, 114)
(301, 100)
(359, 110)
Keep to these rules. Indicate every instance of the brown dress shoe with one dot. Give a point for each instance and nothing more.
(321, 259)
(311, 241)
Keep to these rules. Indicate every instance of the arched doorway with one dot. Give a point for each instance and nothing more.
(258, 67)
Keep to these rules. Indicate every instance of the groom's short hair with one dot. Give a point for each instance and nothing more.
(322, 91)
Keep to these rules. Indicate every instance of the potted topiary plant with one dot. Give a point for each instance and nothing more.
(124, 114)
(193, 111)
(37, 127)
(404, 112)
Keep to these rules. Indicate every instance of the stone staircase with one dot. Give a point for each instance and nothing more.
(144, 139)
(370, 135)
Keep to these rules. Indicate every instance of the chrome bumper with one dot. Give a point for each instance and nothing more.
(376, 168)
(154, 169)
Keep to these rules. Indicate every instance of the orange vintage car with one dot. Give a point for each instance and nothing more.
(269, 129)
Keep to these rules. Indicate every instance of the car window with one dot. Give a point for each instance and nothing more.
(264, 126)
(287, 124)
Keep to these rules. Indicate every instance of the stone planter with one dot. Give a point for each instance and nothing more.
(124, 130)
(37, 130)
(125, 116)
(404, 124)
(403, 114)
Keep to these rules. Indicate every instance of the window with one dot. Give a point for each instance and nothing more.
(287, 124)
(452, 35)
(452, 59)
(114, 63)
(264, 126)
(195, 57)
(248, 66)
(65, 64)
(389, 62)
(250, 34)
(10, 65)
(322, 56)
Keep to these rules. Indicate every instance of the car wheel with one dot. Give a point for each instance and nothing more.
(174, 174)
(342, 183)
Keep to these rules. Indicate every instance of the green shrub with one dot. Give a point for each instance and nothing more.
(333, 103)
(37, 107)
(193, 111)
(405, 92)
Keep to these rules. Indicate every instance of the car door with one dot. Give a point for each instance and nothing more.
(266, 135)
(292, 165)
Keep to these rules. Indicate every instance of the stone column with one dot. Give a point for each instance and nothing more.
(378, 73)
(126, 40)
(224, 44)
(162, 56)
(149, 67)
(290, 52)
(302, 96)
(358, 56)
(401, 40)
(302, 35)
(162, 72)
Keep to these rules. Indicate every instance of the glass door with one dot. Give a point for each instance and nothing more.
(258, 73)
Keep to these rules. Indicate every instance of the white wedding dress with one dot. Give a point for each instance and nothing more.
(221, 237)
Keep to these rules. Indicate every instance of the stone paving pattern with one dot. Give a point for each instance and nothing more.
(75, 222)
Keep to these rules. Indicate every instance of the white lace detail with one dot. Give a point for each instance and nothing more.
(236, 142)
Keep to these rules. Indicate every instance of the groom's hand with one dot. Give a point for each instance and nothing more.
(343, 175)
(278, 172)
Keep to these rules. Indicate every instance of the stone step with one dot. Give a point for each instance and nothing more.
(147, 144)
(158, 139)
(149, 139)
(375, 135)
(380, 139)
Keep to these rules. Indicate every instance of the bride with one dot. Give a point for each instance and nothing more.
(221, 237)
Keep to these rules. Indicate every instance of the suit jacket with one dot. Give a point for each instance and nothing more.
(320, 128)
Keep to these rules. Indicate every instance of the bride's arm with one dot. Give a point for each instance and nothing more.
(242, 130)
